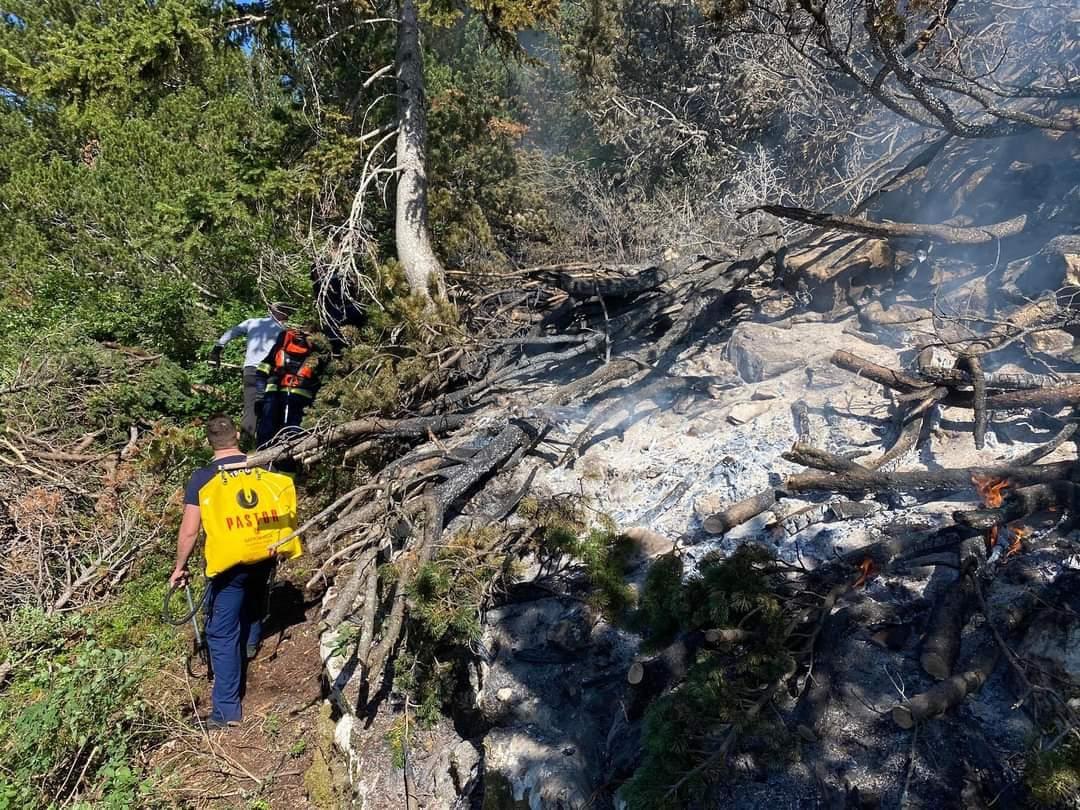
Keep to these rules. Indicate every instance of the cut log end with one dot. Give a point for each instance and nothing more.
(636, 674)
(902, 716)
(726, 635)
(935, 666)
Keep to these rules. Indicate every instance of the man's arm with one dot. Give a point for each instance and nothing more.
(185, 543)
(237, 331)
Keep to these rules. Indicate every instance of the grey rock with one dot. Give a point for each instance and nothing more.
(761, 352)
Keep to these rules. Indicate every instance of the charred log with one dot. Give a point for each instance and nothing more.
(948, 234)
(896, 380)
(922, 481)
(1019, 503)
(1040, 452)
(1000, 380)
(949, 693)
(941, 646)
(978, 398)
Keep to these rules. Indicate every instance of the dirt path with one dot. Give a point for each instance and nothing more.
(277, 757)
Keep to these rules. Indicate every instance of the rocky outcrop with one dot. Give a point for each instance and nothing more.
(550, 691)
(761, 352)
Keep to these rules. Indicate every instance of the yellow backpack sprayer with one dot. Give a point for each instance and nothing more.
(249, 515)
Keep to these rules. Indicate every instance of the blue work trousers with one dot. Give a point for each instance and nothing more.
(236, 601)
(281, 410)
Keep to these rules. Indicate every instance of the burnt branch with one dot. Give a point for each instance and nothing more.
(948, 234)
(1054, 495)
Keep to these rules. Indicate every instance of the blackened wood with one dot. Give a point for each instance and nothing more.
(888, 377)
(1044, 450)
(905, 442)
(949, 234)
(1048, 398)
(1019, 503)
(810, 456)
(800, 414)
(997, 380)
(941, 646)
(978, 398)
(922, 481)
(894, 550)
(517, 433)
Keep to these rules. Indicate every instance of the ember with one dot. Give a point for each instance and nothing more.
(990, 489)
(867, 571)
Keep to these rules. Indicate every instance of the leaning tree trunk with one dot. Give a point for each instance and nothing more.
(422, 268)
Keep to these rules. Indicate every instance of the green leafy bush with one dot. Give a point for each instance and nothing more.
(74, 718)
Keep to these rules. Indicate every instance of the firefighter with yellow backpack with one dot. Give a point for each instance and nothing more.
(249, 516)
(291, 370)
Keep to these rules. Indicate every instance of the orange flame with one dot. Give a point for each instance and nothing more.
(990, 489)
(867, 571)
(1017, 535)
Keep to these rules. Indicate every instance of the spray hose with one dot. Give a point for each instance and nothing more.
(192, 603)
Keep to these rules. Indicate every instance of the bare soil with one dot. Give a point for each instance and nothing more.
(261, 764)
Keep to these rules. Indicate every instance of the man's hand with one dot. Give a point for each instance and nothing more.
(179, 577)
(215, 356)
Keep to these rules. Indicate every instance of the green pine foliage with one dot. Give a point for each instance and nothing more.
(572, 533)
(149, 172)
(1053, 777)
(686, 729)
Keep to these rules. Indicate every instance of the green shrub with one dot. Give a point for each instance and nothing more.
(446, 598)
(685, 730)
(1054, 777)
(600, 548)
(74, 718)
(662, 606)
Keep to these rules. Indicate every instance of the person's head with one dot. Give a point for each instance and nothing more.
(221, 432)
(280, 312)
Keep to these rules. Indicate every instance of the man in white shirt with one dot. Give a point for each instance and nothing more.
(261, 334)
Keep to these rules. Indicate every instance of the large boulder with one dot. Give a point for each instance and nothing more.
(761, 352)
(549, 690)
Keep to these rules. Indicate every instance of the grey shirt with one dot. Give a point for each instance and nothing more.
(261, 335)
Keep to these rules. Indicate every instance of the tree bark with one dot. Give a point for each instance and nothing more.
(949, 693)
(422, 268)
(942, 643)
(739, 513)
(918, 480)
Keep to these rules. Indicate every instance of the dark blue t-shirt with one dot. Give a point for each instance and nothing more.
(201, 477)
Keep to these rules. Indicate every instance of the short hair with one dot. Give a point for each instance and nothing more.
(221, 432)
